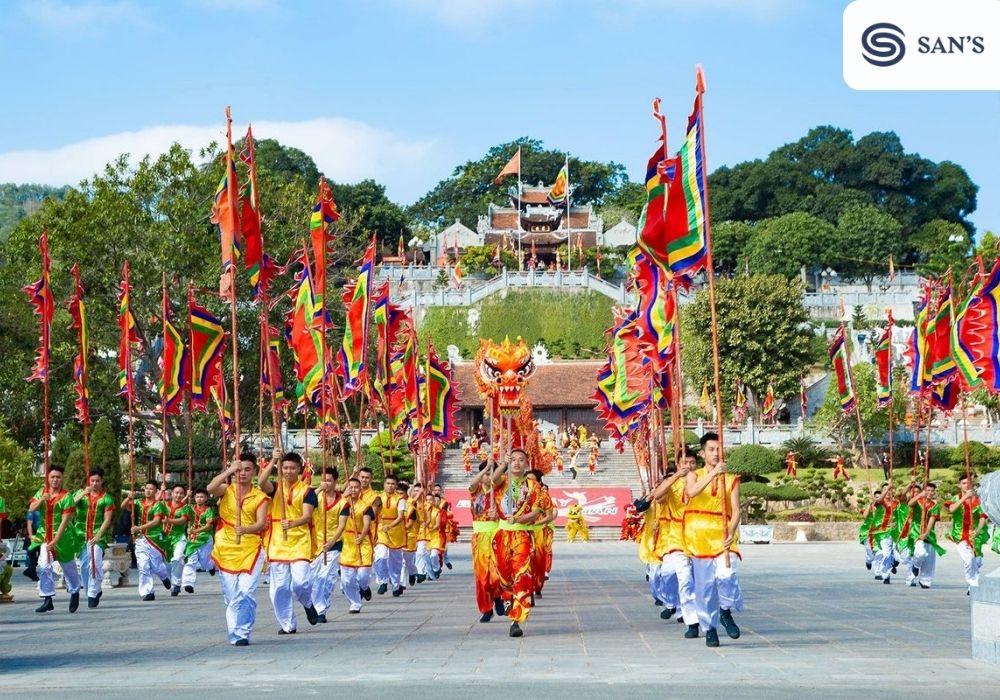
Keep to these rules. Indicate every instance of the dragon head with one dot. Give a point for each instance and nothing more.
(504, 370)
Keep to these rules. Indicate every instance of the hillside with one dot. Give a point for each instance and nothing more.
(18, 201)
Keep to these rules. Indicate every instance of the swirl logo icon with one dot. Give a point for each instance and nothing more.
(882, 44)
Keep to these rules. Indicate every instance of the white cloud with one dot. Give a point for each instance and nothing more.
(345, 149)
(65, 16)
(473, 14)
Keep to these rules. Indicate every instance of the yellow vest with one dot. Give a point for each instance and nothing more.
(412, 526)
(298, 545)
(329, 506)
(434, 539)
(228, 556)
(396, 536)
(647, 538)
(352, 555)
(704, 528)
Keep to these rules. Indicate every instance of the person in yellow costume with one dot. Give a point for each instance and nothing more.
(391, 538)
(676, 582)
(412, 531)
(711, 523)
(356, 518)
(370, 498)
(238, 549)
(325, 568)
(290, 541)
(647, 547)
(435, 536)
(576, 525)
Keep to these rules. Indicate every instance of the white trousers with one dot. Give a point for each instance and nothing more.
(388, 568)
(177, 561)
(409, 566)
(924, 559)
(677, 585)
(46, 577)
(325, 577)
(350, 583)
(151, 566)
(653, 574)
(289, 582)
(884, 555)
(715, 587)
(904, 554)
(241, 607)
(92, 583)
(422, 559)
(972, 563)
(435, 562)
(201, 558)
(869, 554)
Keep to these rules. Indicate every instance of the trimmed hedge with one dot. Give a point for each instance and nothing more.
(754, 461)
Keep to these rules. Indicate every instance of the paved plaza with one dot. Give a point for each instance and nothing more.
(815, 622)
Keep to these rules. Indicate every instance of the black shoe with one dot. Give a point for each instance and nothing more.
(367, 594)
(166, 583)
(680, 619)
(149, 596)
(383, 588)
(93, 602)
(667, 613)
(321, 618)
(913, 584)
(732, 629)
(211, 572)
(868, 565)
(915, 571)
(354, 612)
(924, 587)
(74, 602)
(46, 605)
(448, 564)
(647, 578)
(532, 600)
(657, 602)
(30, 573)
(712, 638)
(242, 643)
(175, 591)
(515, 630)
(421, 578)
(538, 594)
(100, 594)
(894, 567)
(886, 580)
(189, 589)
(311, 615)
(499, 608)
(396, 592)
(486, 616)
(413, 580)
(280, 631)
(879, 577)
(692, 632)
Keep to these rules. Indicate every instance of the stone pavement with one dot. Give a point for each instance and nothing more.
(815, 623)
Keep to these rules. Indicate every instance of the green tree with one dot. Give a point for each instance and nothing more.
(941, 245)
(874, 420)
(988, 246)
(470, 190)
(866, 238)
(784, 245)
(625, 203)
(729, 243)
(18, 482)
(762, 335)
(481, 258)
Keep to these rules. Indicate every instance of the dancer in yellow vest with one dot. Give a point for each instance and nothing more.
(355, 526)
(712, 494)
(325, 568)
(576, 525)
(676, 582)
(290, 540)
(387, 562)
(238, 552)
(412, 531)
(435, 537)
(371, 499)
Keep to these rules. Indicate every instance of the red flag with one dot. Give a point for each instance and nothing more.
(40, 295)
(207, 343)
(324, 213)
(225, 208)
(513, 166)
(256, 262)
(78, 314)
(128, 335)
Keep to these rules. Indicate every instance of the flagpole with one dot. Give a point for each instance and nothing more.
(857, 408)
(128, 392)
(78, 291)
(569, 230)
(188, 394)
(710, 271)
(519, 196)
(163, 377)
(233, 204)
(262, 358)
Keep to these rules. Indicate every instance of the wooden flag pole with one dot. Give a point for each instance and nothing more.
(857, 410)
(163, 378)
(189, 409)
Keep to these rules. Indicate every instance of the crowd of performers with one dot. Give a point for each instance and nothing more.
(512, 534)
(687, 529)
(572, 440)
(307, 537)
(900, 532)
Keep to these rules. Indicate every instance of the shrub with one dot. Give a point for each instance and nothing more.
(809, 454)
(941, 457)
(754, 461)
(801, 516)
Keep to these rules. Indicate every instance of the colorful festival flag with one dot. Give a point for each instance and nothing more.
(558, 195)
(127, 336)
(442, 398)
(207, 343)
(40, 296)
(883, 365)
(270, 368)
(258, 264)
(306, 340)
(976, 335)
(768, 407)
(513, 167)
(324, 213)
(79, 323)
(803, 398)
(225, 206)
(705, 401)
(218, 392)
(354, 348)
(841, 365)
(918, 350)
(940, 363)
(174, 369)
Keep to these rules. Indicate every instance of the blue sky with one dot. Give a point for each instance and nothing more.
(403, 90)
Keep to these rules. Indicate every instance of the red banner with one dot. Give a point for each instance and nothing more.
(602, 506)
